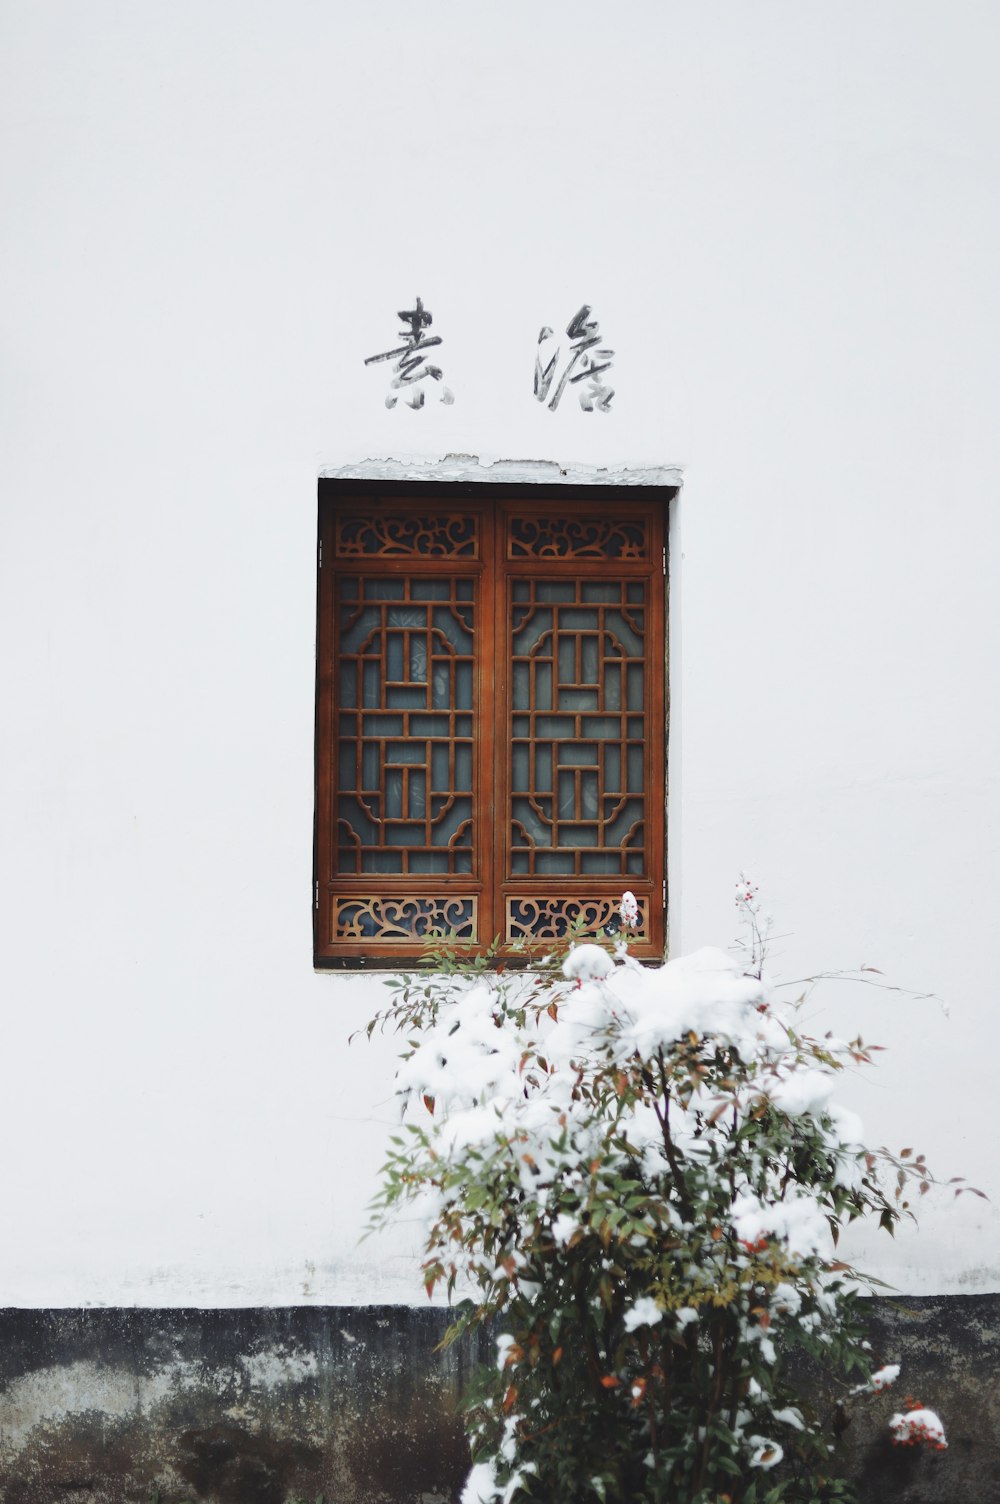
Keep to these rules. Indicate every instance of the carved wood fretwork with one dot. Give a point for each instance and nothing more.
(530, 918)
(396, 921)
(437, 535)
(555, 537)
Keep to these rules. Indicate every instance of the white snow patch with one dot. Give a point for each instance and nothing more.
(766, 1453)
(645, 1312)
(916, 1426)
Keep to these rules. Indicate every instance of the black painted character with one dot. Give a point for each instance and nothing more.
(412, 366)
(585, 334)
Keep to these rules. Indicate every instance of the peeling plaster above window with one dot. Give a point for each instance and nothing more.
(457, 468)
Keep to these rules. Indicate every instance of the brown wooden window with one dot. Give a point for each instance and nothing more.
(491, 717)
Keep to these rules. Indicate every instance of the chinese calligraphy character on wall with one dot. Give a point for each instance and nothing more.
(412, 367)
(587, 362)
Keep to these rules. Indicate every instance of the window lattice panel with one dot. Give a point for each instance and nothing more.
(404, 919)
(405, 725)
(530, 918)
(439, 535)
(577, 538)
(578, 727)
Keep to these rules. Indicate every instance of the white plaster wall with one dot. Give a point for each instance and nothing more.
(785, 218)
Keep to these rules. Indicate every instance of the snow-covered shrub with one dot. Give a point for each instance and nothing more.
(639, 1174)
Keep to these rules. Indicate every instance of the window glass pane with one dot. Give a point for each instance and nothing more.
(454, 824)
(399, 833)
(532, 633)
(405, 616)
(554, 590)
(370, 764)
(356, 823)
(623, 829)
(430, 590)
(567, 660)
(567, 796)
(452, 630)
(601, 726)
(418, 657)
(626, 633)
(430, 725)
(384, 861)
(396, 752)
(578, 699)
(520, 766)
(442, 693)
(554, 864)
(407, 699)
(534, 819)
(385, 590)
(600, 590)
(463, 766)
(393, 797)
(348, 687)
(371, 684)
(429, 861)
(578, 753)
(598, 863)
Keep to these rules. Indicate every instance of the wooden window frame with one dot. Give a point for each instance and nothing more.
(491, 881)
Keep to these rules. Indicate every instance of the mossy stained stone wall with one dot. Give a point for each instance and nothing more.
(357, 1406)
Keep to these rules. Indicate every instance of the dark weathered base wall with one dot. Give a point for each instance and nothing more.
(354, 1406)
